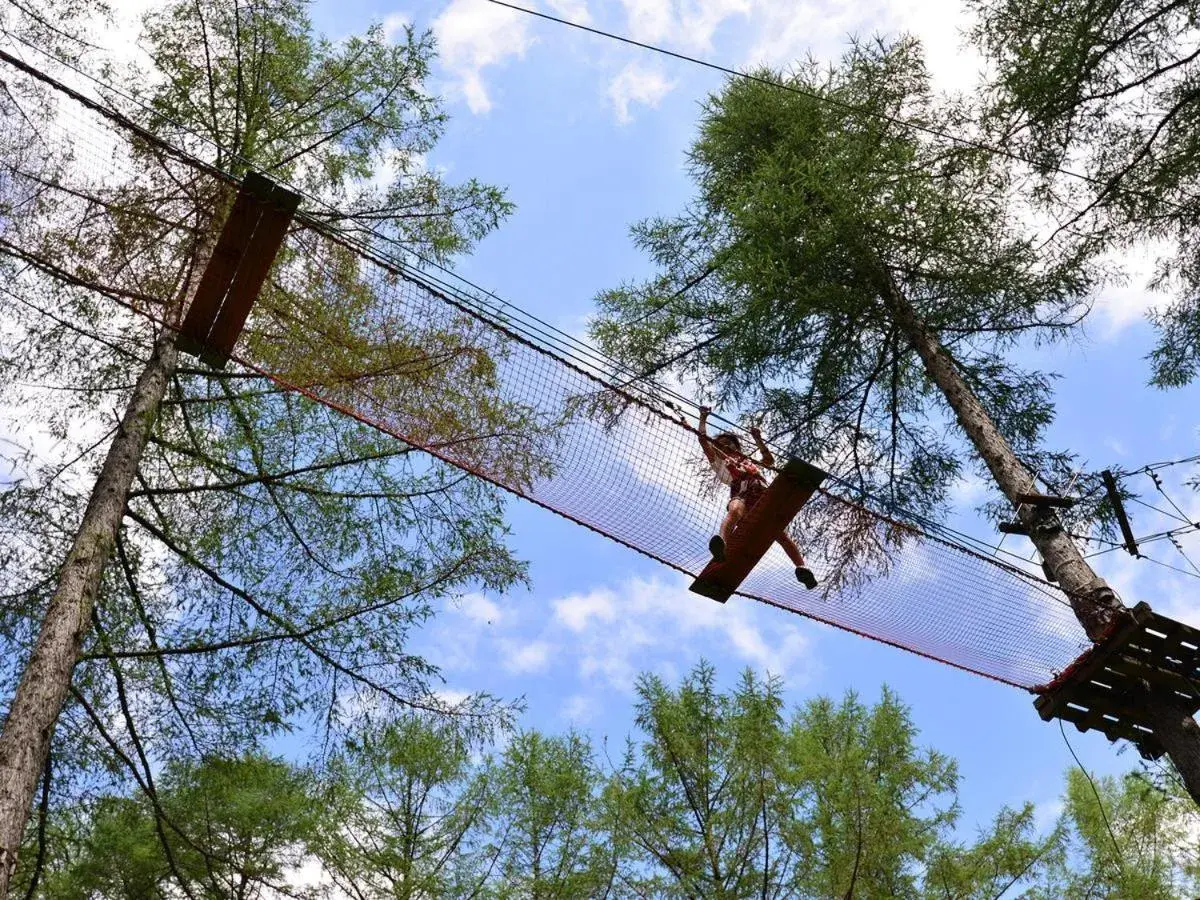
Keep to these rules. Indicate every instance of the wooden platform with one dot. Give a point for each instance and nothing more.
(247, 247)
(1100, 690)
(758, 529)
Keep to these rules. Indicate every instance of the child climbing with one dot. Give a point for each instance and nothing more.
(746, 487)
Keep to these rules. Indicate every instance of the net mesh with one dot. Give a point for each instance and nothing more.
(88, 199)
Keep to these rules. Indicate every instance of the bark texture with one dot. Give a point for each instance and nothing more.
(29, 724)
(1095, 603)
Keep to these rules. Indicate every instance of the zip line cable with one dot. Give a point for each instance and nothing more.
(587, 355)
(1154, 467)
(1099, 803)
(538, 332)
(532, 327)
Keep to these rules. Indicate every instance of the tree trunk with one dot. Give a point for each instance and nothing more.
(1096, 604)
(29, 725)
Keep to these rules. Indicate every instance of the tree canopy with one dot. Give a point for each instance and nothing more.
(1109, 90)
(815, 189)
(274, 556)
(722, 793)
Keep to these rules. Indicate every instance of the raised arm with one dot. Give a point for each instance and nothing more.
(764, 452)
(714, 455)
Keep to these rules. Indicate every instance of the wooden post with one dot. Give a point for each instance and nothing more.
(1114, 497)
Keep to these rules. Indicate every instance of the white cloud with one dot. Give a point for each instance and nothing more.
(687, 24)
(968, 490)
(394, 25)
(452, 697)
(615, 630)
(480, 609)
(579, 709)
(475, 34)
(1124, 304)
(637, 83)
(523, 658)
(785, 32)
(1046, 814)
(572, 10)
(578, 610)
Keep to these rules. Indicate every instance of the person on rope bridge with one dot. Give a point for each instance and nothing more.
(746, 487)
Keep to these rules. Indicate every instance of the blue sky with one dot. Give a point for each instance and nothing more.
(588, 137)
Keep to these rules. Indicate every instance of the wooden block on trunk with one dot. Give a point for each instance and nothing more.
(219, 273)
(758, 529)
(248, 245)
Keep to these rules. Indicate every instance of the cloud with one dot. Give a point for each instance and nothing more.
(612, 630)
(687, 24)
(394, 25)
(475, 34)
(637, 83)
(784, 33)
(524, 658)
(1123, 304)
(572, 10)
(578, 610)
(480, 609)
(968, 490)
(579, 709)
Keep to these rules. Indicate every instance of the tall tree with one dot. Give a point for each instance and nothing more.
(412, 813)
(727, 797)
(1111, 90)
(244, 828)
(238, 559)
(855, 284)
(546, 827)
(1127, 837)
(702, 800)
(840, 801)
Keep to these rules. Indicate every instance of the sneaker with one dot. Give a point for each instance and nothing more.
(716, 546)
(806, 577)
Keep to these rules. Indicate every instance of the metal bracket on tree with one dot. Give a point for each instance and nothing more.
(1105, 688)
(249, 242)
(758, 529)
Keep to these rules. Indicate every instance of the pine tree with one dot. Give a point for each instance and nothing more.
(1109, 91)
(857, 285)
(239, 560)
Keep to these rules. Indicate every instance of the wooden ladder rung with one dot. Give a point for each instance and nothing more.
(1035, 499)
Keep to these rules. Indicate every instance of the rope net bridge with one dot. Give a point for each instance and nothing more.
(88, 199)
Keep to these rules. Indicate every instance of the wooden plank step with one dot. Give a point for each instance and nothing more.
(277, 211)
(1034, 499)
(758, 529)
(218, 274)
(247, 247)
